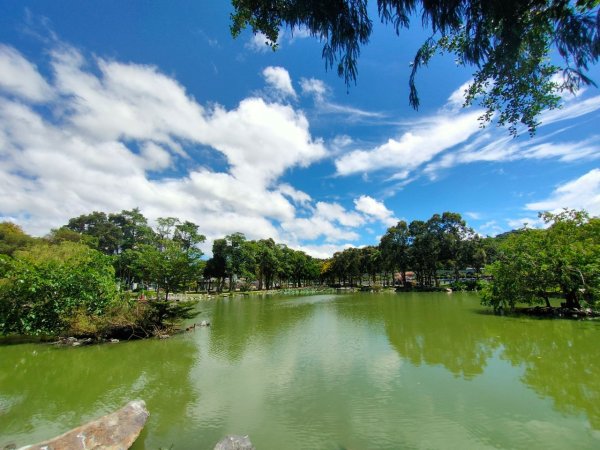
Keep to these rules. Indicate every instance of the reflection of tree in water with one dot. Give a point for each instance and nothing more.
(238, 322)
(561, 358)
(562, 361)
(434, 329)
(54, 389)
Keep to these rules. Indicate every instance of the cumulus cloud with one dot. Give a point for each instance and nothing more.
(322, 250)
(279, 79)
(337, 213)
(297, 196)
(114, 124)
(375, 209)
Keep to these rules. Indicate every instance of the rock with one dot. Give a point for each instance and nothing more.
(73, 342)
(114, 341)
(116, 431)
(205, 323)
(163, 336)
(449, 290)
(235, 443)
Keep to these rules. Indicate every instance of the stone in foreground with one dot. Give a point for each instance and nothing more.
(234, 443)
(116, 431)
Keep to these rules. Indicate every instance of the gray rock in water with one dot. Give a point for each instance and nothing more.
(235, 443)
(116, 431)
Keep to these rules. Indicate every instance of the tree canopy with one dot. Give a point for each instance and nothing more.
(533, 264)
(510, 43)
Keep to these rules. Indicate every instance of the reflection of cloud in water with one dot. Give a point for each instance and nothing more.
(385, 368)
(307, 300)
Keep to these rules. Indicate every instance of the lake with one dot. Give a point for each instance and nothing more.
(346, 371)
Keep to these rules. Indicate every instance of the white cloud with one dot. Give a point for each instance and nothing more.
(279, 79)
(473, 215)
(457, 98)
(297, 196)
(20, 77)
(155, 157)
(298, 33)
(322, 250)
(320, 91)
(449, 138)
(314, 227)
(375, 209)
(112, 123)
(414, 148)
(529, 222)
(260, 43)
(571, 110)
(337, 213)
(317, 88)
(491, 228)
(581, 193)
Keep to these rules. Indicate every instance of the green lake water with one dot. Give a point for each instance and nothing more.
(362, 371)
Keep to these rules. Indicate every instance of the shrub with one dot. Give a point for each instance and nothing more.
(47, 287)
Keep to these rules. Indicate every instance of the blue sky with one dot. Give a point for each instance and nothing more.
(112, 105)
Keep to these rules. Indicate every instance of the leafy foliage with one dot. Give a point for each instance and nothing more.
(13, 238)
(562, 259)
(44, 286)
(509, 42)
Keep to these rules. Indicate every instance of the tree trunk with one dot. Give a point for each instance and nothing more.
(572, 300)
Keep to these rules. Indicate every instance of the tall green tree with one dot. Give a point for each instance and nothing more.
(170, 267)
(425, 250)
(134, 228)
(509, 43)
(267, 257)
(233, 257)
(98, 226)
(172, 260)
(394, 247)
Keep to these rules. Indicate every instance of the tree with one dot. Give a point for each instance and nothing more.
(370, 262)
(267, 256)
(134, 228)
(13, 238)
(453, 238)
(97, 225)
(509, 42)
(172, 260)
(232, 258)
(394, 247)
(424, 250)
(562, 259)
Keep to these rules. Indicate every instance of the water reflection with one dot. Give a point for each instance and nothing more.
(561, 358)
(341, 371)
(239, 322)
(46, 390)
